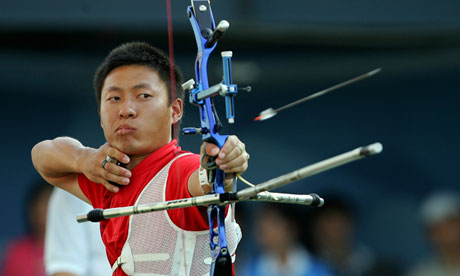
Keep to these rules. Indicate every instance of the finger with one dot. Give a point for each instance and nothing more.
(109, 176)
(203, 147)
(117, 170)
(229, 146)
(237, 165)
(211, 149)
(235, 153)
(237, 170)
(118, 155)
(109, 186)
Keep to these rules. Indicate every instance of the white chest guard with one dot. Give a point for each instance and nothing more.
(156, 246)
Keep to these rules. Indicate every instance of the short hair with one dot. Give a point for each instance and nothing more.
(138, 53)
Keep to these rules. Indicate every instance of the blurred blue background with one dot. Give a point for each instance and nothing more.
(285, 50)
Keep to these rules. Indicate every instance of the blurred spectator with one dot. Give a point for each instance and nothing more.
(441, 217)
(281, 252)
(332, 239)
(72, 248)
(24, 255)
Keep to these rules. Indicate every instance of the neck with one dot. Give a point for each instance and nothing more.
(136, 160)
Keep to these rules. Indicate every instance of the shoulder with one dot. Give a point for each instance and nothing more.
(185, 163)
(186, 157)
(181, 169)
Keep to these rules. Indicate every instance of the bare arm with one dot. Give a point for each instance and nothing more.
(232, 159)
(59, 161)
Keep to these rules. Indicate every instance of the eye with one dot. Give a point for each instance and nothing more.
(113, 99)
(145, 96)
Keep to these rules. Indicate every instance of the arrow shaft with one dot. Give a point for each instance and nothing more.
(327, 90)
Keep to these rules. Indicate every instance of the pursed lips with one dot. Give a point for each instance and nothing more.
(125, 129)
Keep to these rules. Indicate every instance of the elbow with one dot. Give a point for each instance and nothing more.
(36, 152)
(38, 155)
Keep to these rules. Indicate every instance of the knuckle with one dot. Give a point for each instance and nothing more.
(204, 147)
(113, 152)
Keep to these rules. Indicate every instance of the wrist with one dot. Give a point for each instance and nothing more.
(229, 182)
(205, 185)
(82, 157)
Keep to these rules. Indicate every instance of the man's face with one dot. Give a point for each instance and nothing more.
(135, 114)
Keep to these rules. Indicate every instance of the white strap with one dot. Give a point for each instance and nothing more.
(141, 258)
(120, 260)
(149, 257)
(206, 187)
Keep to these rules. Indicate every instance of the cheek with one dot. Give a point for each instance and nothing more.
(104, 116)
(105, 123)
(160, 117)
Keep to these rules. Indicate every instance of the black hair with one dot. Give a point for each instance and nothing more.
(138, 53)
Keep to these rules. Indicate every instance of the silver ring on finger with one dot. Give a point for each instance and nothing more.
(103, 163)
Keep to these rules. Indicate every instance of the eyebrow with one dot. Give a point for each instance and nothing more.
(113, 88)
(142, 85)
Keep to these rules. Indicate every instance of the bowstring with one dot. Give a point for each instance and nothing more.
(172, 76)
(172, 64)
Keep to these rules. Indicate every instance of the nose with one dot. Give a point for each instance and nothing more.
(127, 110)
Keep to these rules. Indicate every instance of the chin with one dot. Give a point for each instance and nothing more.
(131, 149)
(127, 147)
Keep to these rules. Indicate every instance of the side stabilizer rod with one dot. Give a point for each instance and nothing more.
(257, 193)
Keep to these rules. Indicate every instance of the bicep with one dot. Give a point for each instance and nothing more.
(193, 184)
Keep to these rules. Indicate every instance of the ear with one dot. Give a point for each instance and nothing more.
(177, 108)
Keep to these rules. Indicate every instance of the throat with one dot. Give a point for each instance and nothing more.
(135, 160)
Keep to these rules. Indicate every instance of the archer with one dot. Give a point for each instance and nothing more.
(141, 162)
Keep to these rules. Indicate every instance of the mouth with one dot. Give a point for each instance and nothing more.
(125, 129)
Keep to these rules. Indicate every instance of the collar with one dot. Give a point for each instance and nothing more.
(157, 159)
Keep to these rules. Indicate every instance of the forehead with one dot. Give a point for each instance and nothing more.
(128, 76)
